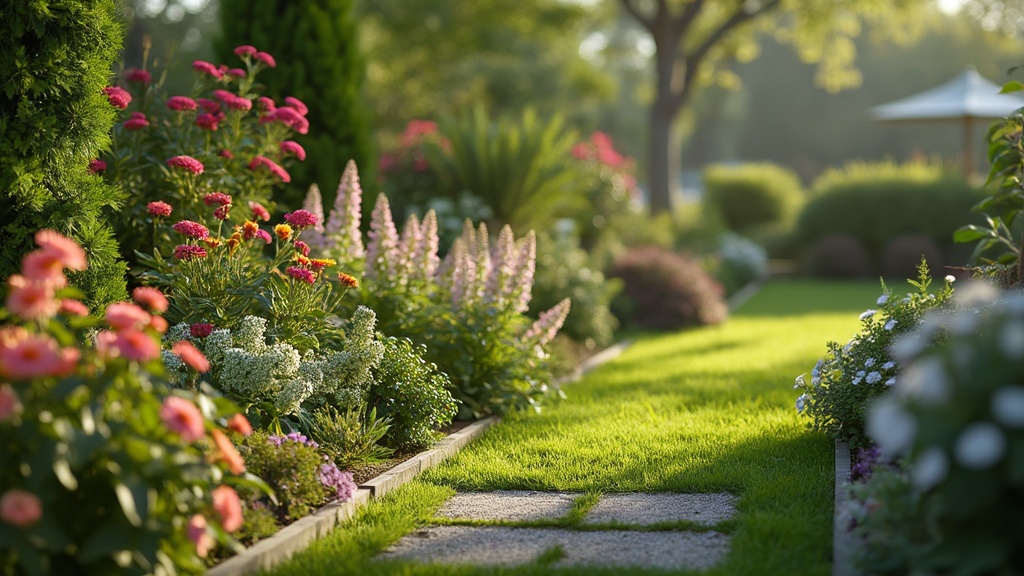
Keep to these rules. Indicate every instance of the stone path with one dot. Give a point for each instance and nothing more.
(610, 534)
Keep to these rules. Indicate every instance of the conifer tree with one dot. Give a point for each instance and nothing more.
(54, 119)
(316, 46)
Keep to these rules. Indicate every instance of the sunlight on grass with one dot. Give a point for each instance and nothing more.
(705, 410)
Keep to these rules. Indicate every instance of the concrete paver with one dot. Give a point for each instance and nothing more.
(510, 505)
(643, 509)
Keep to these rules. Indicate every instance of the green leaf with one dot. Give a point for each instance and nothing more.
(63, 471)
(127, 501)
(1011, 86)
(971, 232)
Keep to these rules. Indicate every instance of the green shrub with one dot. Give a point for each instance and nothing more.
(55, 119)
(351, 438)
(903, 253)
(663, 290)
(412, 393)
(753, 196)
(737, 261)
(877, 203)
(290, 465)
(836, 256)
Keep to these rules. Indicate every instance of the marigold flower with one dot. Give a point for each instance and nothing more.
(272, 166)
(158, 209)
(283, 231)
(117, 96)
(151, 298)
(301, 247)
(187, 162)
(265, 236)
(189, 252)
(228, 507)
(302, 260)
(24, 355)
(266, 59)
(293, 148)
(183, 418)
(31, 300)
(233, 242)
(137, 75)
(245, 50)
(239, 423)
(204, 67)
(200, 329)
(97, 165)
(191, 355)
(20, 508)
(258, 211)
(191, 229)
(181, 103)
(228, 452)
(10, 404)
(138, 121)
(298, 105)
(301, 219)
(197, 533)
(302, 274)
(348, 280)
(222, 212)
(236, 72)
(70, 307)
(249, 229)
(319, 264)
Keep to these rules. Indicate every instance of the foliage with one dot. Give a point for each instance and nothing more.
(349, 438)
(878, 510)
(850, 376)
(411, 394)
(610, 189)
(663, 290)
(901, 256)
(957, 411)
(753, 196)
(836, 256)
(55, 118)
(917, 198)
(221, 138)
(738, 261)
(290, 465)
(326, 70)
(104, 470)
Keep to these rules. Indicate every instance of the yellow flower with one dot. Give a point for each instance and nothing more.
(283, 231)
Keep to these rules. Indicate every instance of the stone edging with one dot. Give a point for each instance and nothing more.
(295, 537)
(842, 561)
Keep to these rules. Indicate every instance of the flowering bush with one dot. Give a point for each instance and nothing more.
(103, 470)
(738, 261)
(221, 138)
(609, 186)
(957, 410)
(845, 381)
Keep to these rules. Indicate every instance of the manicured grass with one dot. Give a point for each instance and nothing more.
(705, 410)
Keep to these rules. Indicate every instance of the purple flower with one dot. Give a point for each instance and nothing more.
(342, 483)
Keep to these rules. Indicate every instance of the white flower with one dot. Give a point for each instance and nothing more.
(1011, 339)
(980, 445)
(890, 324)
(1008, 406)
(926, 381)
(975, 294)
(869, 362)
(873, 377)
(882, 299)
(799, 382)
(907, 346)
(965, 323)
(888, 365)
(891, 427)
(867, 314)
(801, 403)
(950, 278)
(929, 469)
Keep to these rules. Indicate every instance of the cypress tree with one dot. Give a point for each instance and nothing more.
(316, 45)
(54, 119)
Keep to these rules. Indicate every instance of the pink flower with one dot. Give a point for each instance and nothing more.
(236, 72)
(138, 121)
(237, 103)
(239, 423)
(265, 236)
(293, 148)
(97, 165)
(306, 276)
(258, 211)
(138, 75)
(181, 103)
(189, 252)
(158, 209)
(289, 116)
(265, 104)
(31, 300)
(69, 307)
(151, 298)
(191, 355)
(222, 212)
(222, 95)
(207, 68)
(10, 405)
(301, 247)
(228, 452)
(228, 507)
(298, 105)
(191, 229)
(226, 154)
(200, 330)
(187, 162)
(130, 344)
(127, 316)
(272, 166)
(415, 130)
(70, 254)
(158, 324)
(208, 106)
(245, 50)
(30, 355)
(117, 96)
(387, 162)
(197, 533)
(266, 59)
(207, 121)
(301, 219)
(217, 198)
(183, 418)
(20, 508)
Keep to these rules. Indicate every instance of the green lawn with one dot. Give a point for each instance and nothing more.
(705, 410)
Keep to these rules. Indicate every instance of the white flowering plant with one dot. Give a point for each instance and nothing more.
(837, 392)
(957, 412)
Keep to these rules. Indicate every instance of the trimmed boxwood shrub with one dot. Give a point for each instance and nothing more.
(836, 256)
(663, 290)
(903, 254)
(752, 196)
(876, 203)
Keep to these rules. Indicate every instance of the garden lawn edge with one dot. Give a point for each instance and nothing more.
(295, 537)
(842, 552)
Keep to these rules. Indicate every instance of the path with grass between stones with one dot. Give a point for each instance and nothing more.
(684, 454)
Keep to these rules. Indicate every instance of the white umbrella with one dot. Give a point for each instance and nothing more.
(966, 98)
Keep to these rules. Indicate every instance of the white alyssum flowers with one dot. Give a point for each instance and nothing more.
(980, 445)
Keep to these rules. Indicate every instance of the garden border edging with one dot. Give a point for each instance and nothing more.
(295, 537)
(842, 553)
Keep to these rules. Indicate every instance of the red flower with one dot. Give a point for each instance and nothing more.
(301, 219)
(237, 103)
(258, 211)
(293, 148)
(266, 59)
(208, 106)
(187, 162)
(298, 105)
(265, 104)
(301, 247)
(200, 330)
(265, 236)
(189, 252)
(158, 209)
(97, 165)
(207, 122)
(306, 276)
(117, 96)
(222, 95)
(222, 212)
(138, 121)
(245, 50)
(226, 154)
(272, 166)
(181, 103)
(207, 68)
(191, 229)
(137, 75)
(217, 198)
(236, 72)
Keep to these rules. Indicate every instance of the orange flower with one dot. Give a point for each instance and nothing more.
(283, 231)
(31, 300)
(249, 229)
(191, 355)
(197, 533)
(302, 260)
(347, 280)
(182, 417)
(239, 423)
(212, 242)
(229, 507)
(227, 451)
(319, 264)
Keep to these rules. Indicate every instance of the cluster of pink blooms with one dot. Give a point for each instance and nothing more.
(181, 103)
(32, 293)
(501, 278)
(118, 97)
(341, 234)
(301, 219)
(158, 209)
(97, 165)
(271, 166)
(548, 323)
(294, 149)
(137, 121)
(416, 133)
(138, 76)
(193, 230)
(599, 148)
(186, 162)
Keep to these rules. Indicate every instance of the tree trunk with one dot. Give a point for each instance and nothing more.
(664, 162)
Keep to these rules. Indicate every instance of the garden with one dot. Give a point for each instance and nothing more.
(223, 315)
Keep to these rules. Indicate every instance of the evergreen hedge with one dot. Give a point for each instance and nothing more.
(55, 118)
(752, 196)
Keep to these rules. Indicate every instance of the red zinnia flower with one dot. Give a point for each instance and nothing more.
(217, 198)
(266, 59)
(208, 105)
(117, 96)
(138, 75)
(237, 103)
(191, 229)
(159, 209)
(207, 122)
(187, 162)
(138, 121)
(97, 165)
(293, 148)
(189, 252)
(207, 68)
(200, 330)
(222, 95)
(301, 219)
(181, 103)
